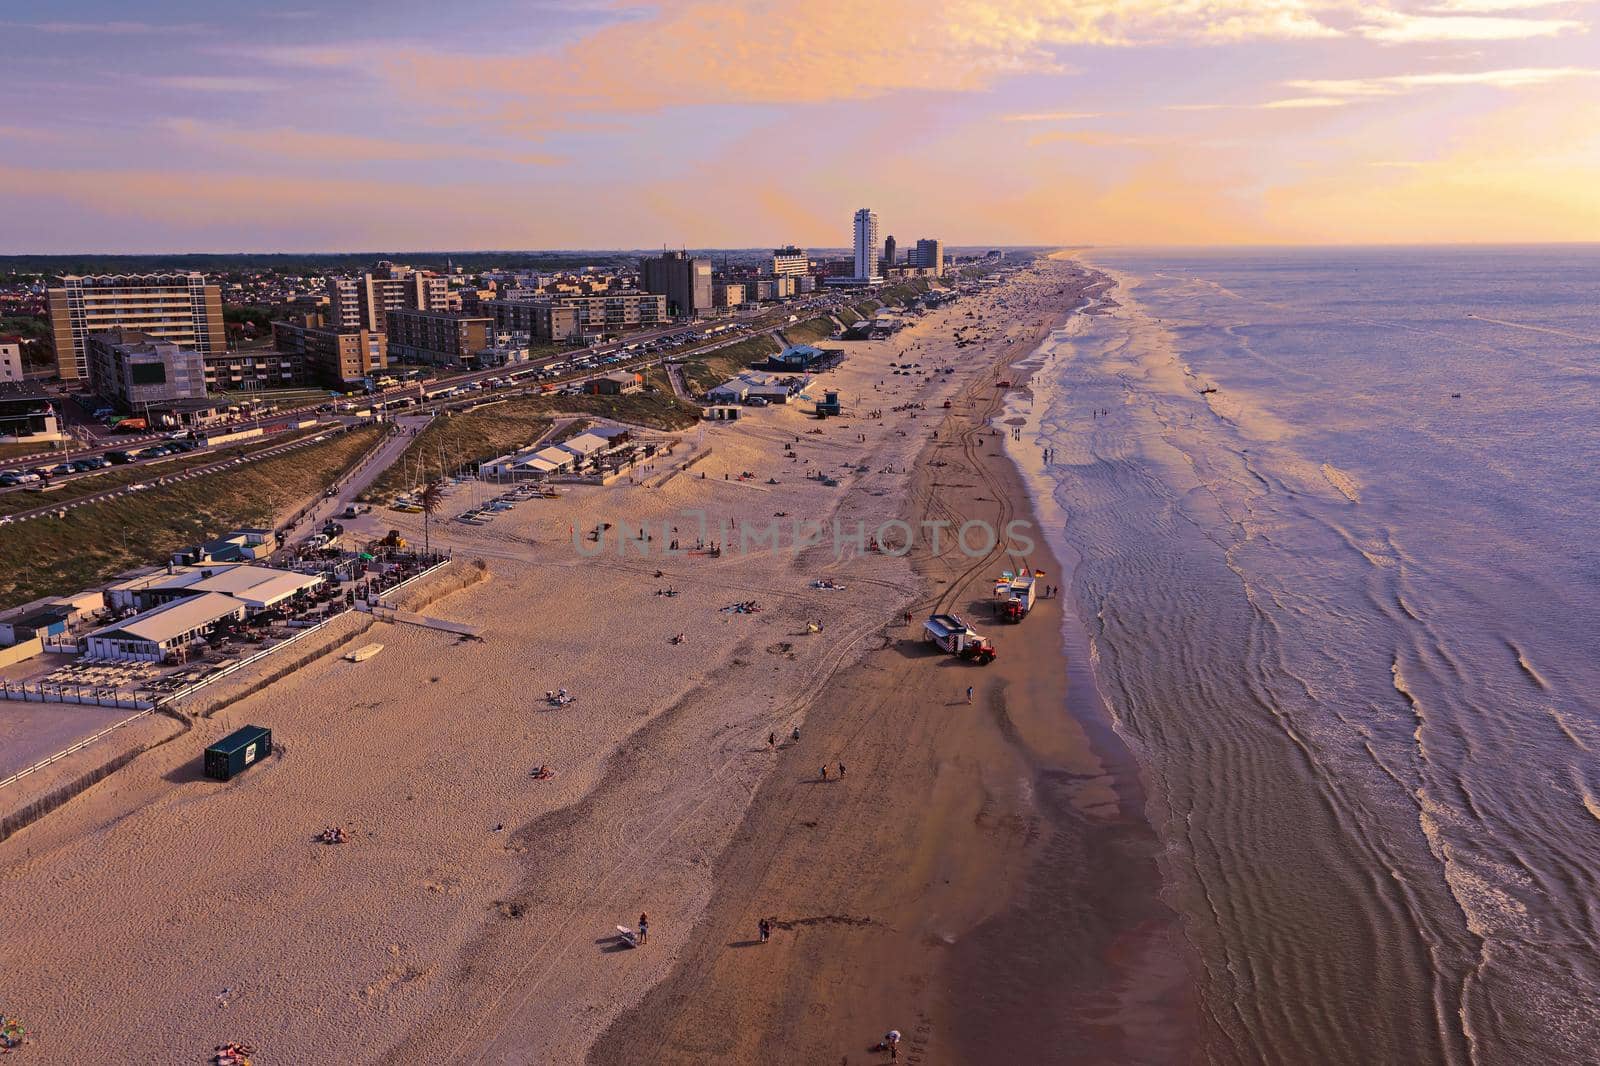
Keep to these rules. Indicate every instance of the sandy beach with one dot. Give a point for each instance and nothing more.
(981, 878)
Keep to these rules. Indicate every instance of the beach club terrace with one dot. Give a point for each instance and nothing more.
(802, 358)
(154, 635)
(209, 595)
(755, 386)
(555, 458)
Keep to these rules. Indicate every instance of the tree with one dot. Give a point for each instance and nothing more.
(431, 496)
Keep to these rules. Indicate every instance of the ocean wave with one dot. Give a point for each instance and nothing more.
(1344, 481)
(1527, 667)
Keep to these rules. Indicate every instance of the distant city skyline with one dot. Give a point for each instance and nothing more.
(174, 126)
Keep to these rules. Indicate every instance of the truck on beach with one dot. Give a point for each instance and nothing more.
(952, 635)
(1014, 594)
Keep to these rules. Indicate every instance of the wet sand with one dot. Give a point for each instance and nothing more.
(983, 879)
(981, 868)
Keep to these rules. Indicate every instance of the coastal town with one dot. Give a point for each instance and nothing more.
(454, 492)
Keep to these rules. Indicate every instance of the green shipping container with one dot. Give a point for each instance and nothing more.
(237, 751)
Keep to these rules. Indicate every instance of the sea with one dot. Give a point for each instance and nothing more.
(1333, 520)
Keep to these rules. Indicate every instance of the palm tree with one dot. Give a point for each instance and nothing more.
(431, 496)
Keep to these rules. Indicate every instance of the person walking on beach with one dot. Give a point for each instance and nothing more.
(772, 740)
(644, 928)
(891, 1040)
(824, 772)
(969, 693)
(765, 928)
(841, 770)
(796, 734)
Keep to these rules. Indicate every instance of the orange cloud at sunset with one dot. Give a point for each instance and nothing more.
(751, 121)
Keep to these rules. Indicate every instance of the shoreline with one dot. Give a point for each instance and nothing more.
(1080, 961)
(471, 914)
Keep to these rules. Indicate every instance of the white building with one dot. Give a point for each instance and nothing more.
(867, 246)
(10, 358)
(790, 261)
(150, 636)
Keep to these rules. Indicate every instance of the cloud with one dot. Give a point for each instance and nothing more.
(215, 83)
(286, 143)
(1297, 102)
(1096, 139)
(1395, 27)
(111, 29)
(764, 52)
(1489, 7)
(1394, 84)
(1052, 116)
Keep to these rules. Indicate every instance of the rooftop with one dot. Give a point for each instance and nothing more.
(174, 619)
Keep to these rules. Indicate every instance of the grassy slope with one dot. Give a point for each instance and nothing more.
(28, 498)
(447, 444)
(49, 556)
(474, 436)
(810, 331)
(702, 372)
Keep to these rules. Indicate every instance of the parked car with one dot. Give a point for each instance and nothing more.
(118, 458)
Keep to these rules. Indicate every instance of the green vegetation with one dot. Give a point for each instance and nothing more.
(847, 315)
(810, 331)
(258, 317)
(906, 290)
(49, 556)
(496, 429)
(13, 451)
(702, 372)
(866, 308)
(29, 327)
(452, 442)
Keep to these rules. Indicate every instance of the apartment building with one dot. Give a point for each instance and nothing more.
(865, 226)
(232, 371)
(554, 319)
(365, 300)
(437, 337)
(335, 357)
(790, 260)
(778, 288)
(10, 359)
(928, 253)
(727, 294)
(136, 372)
(685, 282)
(183, 309)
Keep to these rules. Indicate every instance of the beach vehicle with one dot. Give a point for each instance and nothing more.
(950, 634)
(1014, 594)
(237, 751)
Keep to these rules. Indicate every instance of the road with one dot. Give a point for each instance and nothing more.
(159, 479)
(754, 325)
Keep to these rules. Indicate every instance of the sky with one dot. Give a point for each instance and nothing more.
(180, 125)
